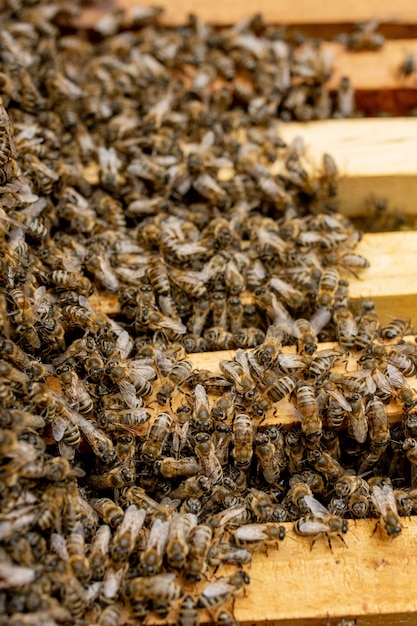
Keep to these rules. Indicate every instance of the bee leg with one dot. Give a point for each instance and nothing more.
(329, 541)
(375, 528)
(341, 538)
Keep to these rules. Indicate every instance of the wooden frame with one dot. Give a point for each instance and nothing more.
(372, 578)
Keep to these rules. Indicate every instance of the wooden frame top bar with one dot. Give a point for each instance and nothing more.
(273, 11)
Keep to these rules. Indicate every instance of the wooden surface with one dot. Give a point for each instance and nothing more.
(374, 156)
(371, 578)
(285, 412)
(275, 11)
(391, 279)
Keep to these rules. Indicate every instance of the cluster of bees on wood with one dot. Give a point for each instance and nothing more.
(130, 478)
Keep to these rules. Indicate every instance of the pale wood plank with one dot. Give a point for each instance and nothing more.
(371, 579)
(374, 156)
(282, 11)
(391, 279)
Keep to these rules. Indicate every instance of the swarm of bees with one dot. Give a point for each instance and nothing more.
(128, 476)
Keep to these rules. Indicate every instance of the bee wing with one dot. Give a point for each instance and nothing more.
(140, 369)
(395, 377)
(112, 581)
(242, 359)
(58, 428)
(316, 507)
(291, 361)
(124, 344)
(218, 588)
(379, 500)
(101, 541)
(340, 398)
(382, 382)
(201, 398)
(133, 520)
(171, 324)
(190, 249)
(92, 592)
(38, 298)
(128, 393)
(253, 362)
(15, 575)
(227, 367)
(319, 319)
(162, 363)
(389, 497)
(309, 526)
(58, 544)
(107, 276)
(251, 532)
(283, 288)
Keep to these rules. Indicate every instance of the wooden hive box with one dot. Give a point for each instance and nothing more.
(369, 580)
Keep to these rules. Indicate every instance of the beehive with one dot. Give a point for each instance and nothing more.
(369, 579)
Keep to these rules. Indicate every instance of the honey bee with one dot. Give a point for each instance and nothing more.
(71, 281)
(268, 352)
(119, 476)
(131, 377)
(151, 558)
(368, 327)
(320, 522)
(10, 351)
(75, 390)
(396, 329)
(170, 467)
(324, 463)
(99, 552)
(78, 561)
(264, 535)
(217, 338)
(409, 447)
(238, 372)
(177, 547)
(110, 616)
(346, 327)
(205, 451)
(199, 540)
(188, 614)
(364, 37)
(219, 591)
(345, 98)
(384, 502)
(221, 441)
(222, 409)
(357, 420)
(311, 424)
(201, 415)
(156, 437)
(243, 441)
(8, 154)
(306, 331)
(110, 512)
(130, 420)
(228, 553)
(100, 268)
(379, 433)
(268, 460)
(161, 590)
(224, 618)
(327, 287)
(127, 532)
(193, 487)
(179, 372)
